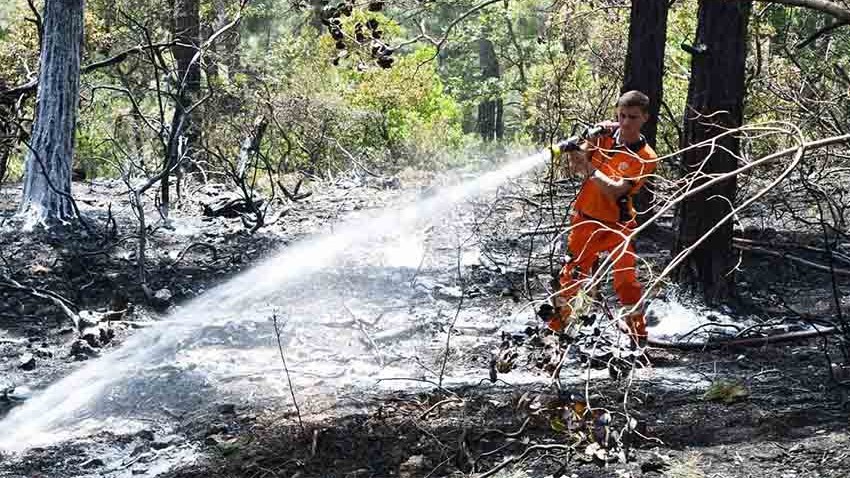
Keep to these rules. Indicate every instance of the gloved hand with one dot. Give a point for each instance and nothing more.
(604, 128)
(565, 146)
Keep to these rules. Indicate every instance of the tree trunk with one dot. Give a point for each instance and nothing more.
(47, 183)
(715, 104)
(490, 121)
(644, 71)
(7, 132)
(186, 30)
(645, 57)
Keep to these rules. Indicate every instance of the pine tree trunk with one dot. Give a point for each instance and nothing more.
(47, 182)
(645, 57)
(644, 71)
(715, 103)
(186, 30)
(490, 121)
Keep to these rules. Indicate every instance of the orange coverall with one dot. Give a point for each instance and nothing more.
(601, 223)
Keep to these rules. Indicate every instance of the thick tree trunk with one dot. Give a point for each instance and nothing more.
(490, 120)
(715, 104)
(186, 30)
(644, 70)
(645, 57)
(47, 183)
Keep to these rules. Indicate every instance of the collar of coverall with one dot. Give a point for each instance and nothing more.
(634, 147)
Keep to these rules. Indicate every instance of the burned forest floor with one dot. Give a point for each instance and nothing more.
(479, 399)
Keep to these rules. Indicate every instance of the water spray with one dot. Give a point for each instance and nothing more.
(66, 403)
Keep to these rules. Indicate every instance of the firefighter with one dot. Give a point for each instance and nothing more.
(614, 162)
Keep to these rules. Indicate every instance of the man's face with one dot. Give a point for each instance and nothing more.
(631, 119)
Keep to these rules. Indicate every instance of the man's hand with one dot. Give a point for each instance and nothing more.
(568, 145)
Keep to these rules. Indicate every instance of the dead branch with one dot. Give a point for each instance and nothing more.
(506, 434)
(516, 459)
(748, 342)
(836, 255)
(31, 85)
(522, 199)
(831, 8)
(438, 405)
(707, 325)
(286, 370)
(39, 23)
(365, 334)
(61, 302)
(294, 196)
(823, 31)
(792, 258)
(186, 249)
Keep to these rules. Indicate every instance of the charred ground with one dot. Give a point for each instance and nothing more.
(784, 414)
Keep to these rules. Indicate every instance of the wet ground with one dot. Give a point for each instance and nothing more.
(390, 350)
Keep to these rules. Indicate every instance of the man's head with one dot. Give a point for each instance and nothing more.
(632, 113)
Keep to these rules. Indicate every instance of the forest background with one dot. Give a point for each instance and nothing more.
(248, 92)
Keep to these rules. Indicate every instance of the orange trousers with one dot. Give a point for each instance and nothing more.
(588, 238)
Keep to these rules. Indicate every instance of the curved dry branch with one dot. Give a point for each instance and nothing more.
(831, 8)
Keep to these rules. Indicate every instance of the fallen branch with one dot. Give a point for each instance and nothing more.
(835, 254)
(792, 258)
(542, 230)
(13, 341)
(294, 196)
(203, 245)
(61, 302)
(515, 434)
(748, 342)
(515, 459)
(365, 334)
(438, 405)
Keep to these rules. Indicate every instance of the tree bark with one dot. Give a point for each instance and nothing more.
(7, 132)
(645, 57)
(715, 104)
(490, 121)
(47, 183)
(644, 71)
(186, 31)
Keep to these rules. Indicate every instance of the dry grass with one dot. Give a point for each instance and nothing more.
(687, 467)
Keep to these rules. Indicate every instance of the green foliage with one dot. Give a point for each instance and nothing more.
(18, 44)
(557, 68)
(408, 97)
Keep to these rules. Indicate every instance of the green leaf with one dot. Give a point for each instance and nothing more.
(726, 392)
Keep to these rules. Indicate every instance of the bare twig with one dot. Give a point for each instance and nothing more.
(286, 370)
(525, 454)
